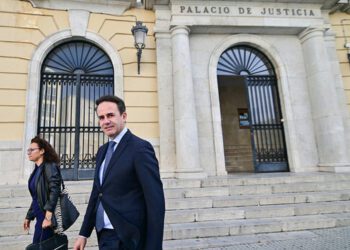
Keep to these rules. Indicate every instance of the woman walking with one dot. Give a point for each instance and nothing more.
(44, 186)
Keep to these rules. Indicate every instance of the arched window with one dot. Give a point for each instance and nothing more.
(264, 112)
(73, 76)
(244, 61)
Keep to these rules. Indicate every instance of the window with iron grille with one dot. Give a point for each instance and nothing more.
(73, 76)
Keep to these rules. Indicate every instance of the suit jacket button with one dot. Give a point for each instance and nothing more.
(100, 195)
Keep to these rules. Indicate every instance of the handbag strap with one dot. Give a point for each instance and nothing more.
(62, 182)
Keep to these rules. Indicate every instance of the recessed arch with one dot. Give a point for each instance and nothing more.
(35, 64)
(281, 74)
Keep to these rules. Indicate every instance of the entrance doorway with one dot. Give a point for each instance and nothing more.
(252, 122)
(73, 76)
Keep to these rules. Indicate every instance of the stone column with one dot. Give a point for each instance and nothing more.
(186, 131)
(326, 113)
(167, 149)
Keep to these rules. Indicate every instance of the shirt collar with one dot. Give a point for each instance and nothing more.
(119, 137)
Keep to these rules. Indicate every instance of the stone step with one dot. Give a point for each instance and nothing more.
(228, 242)
(245, 179)
(18, 214)
(10, 214)
(244, 154)
(289, 188)
(21, 190)
(239, 158)
(241, 179)
(222, 190)
(12, 218)
(253, 200)
(239, 163)
(246, 226)
(9, 228)
(287, 198)
(24, 202)
(20, 241)
(237, 148)
(254, 212)
(186, 232)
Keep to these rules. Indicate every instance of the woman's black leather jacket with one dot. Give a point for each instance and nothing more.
(48, 188)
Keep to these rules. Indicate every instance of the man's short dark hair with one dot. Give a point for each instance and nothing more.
(111, 98)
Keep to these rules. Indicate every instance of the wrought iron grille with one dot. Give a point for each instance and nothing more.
(267, 134)
(78, 58)
(244, 61)
(266, 126)
(67, 105)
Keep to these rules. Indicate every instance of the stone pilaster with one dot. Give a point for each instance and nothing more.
(186, 131)
(167, 149)
(326, 113)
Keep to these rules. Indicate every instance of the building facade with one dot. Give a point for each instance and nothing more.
(224, 87)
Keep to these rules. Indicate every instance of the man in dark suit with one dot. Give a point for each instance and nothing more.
(126, 204)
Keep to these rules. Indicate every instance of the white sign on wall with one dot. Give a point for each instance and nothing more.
(245, 9)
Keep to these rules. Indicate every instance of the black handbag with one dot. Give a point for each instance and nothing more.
(56, 242)
(65, 212)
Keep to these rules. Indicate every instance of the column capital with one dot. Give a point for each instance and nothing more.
(180, 29)
(311, 32)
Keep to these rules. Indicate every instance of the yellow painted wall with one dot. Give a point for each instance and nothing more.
(341, 26)
(23, 27)
(140, 91)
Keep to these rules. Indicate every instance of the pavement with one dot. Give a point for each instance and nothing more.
(321, 239)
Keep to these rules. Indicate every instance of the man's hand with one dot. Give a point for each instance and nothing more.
(80, 243)
(26, 225)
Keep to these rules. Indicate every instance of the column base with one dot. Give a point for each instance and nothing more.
(167, 175)
(193, 174)
(334, 167)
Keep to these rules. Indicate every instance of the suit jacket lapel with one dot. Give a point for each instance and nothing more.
(117, 153)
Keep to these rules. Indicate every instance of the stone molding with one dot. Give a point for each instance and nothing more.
(78, 20)
(35, 64)
(11, 145)
(98, 6)
(180, 29)
(311, 32)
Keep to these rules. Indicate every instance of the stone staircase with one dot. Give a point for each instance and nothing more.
(238, 158)
(213, 212)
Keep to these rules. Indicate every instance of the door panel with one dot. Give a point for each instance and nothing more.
(267, 134)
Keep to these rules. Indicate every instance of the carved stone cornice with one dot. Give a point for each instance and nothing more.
(115, 7)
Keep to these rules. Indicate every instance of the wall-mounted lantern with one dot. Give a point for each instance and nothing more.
(139, 32)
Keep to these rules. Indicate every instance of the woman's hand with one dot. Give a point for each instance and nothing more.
(26, 225)
(47, 222)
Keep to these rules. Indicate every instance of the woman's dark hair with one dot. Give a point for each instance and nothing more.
(50, 154)
(111, 98)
